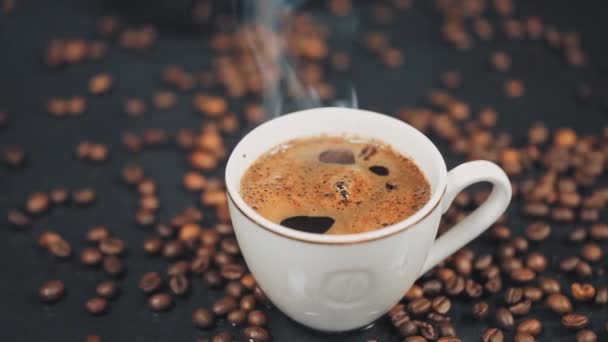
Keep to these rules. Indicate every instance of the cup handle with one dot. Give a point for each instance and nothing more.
(481, 218)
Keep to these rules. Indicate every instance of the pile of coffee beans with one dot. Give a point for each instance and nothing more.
(559, 177)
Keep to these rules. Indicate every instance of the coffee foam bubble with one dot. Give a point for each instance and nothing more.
(346, 180)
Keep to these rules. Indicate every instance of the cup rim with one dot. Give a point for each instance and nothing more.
(239, 204)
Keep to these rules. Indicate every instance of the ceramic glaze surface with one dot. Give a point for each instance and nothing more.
(342, 282)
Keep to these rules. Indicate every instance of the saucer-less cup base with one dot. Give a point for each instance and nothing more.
(342, 282)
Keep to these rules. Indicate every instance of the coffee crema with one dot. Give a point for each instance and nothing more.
(334, 185)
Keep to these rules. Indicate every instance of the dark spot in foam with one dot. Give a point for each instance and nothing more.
(337, 156)
(379, 170)
(390, 186)
(309, 224)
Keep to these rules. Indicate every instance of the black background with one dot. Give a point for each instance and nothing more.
(26, 83)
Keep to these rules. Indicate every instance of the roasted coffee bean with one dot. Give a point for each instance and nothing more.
(247, 302)
(260, 296)
(530, 326)
(493, 285)
(234, 289)
(18, 219)
(480, 310)
(160, 302)
(419, 306)
(537, 262)
(100, 83)
(513, 295)
(569, 264)
(132, 174)
(257, 334)
(230, 245)
(582, 292)
(92, 338)
(112, 246)
(446, 329)
(407, 328)
(455, 285)
(523, 337)
(583, 269)
(232, 271)
(538, 231)
(427, 330)
(599, 232)
(150, 282)
(449, 339)
(112, 265)
(51, 291)
(60, 249)
(414, 292)
(37, 203)
(521, 308)
(47, 238)
(493, 335)
(14, 156)
(592, 252)
(577, 235)
(173, 249)
(107, 289)
(574, 321)
(473, 289)
(237, 317)
(90, 256)
(203, 318)
(504, 318)
(199, 265)
(601, 296)
(441, 304)
(180, 267)
(96, 305)
(256, 318)
(416, 338)
(212, 278)
(559, 303)
(59, 195)
(153, 245)
(224, 305)
(522, 275)
(179, 284)
(222, 337)
(97, 234)
(533, 293)
(84, 196)
(549, 285)
(586, 336)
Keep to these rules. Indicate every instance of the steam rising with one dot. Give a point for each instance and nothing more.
(265, 29)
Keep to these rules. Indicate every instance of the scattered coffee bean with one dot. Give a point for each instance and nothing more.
(51, 291)
(530, 326)
(222, 306)
(96, 305)
(582, 292)
(574, 321)
(150, 282)
(504, 318)
(160, 302)
(91, 256)
(586, 335)
(107, 289)
(257, 334)
(179, 284)
(493, 335)
(237, 317)
(203, 318)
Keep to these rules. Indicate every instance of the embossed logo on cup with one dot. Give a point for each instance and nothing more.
(347, 288)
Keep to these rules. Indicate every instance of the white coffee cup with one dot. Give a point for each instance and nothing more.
(342, 282)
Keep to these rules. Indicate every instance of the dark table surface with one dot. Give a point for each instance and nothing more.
(26, 83)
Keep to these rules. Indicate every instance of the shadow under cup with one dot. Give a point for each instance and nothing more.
(335, 282)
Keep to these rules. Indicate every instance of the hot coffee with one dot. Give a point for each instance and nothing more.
(334, 185)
